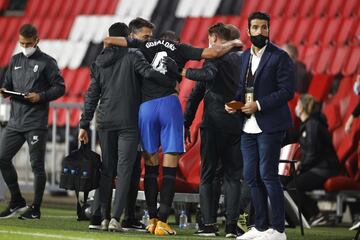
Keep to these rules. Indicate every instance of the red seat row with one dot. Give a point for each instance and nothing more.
(3, 4)
(48, 27)
(299, 31)
(302, 8)
(69, 8)
(76, 81)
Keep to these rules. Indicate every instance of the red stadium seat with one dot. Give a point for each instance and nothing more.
(279, 8)
(320, 86)
(43, 9)
(32, 7)
(315, 35)
(11, 29)
(292, 8)
(356, 38)
(3, 25)
(46, 27)
(351, 8)
(288, 29)
(352, 64)
(276, 26)
(56, 28)
(332, 113)
(311, 56)
(90, 7)
(332, 30)
(307, 8)
(68, 8)
(339, 60)
(249, 7)
(266, 6)
(3, 4)
(335, 8)
(7, 53)
(324, 61)
(201, 38)
(53, 12)
(81, 83)
(302, 31)
(346, 31)
(321, 8)
(189, 29)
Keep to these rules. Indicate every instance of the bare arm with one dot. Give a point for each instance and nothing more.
(118, 41)
(218, 51)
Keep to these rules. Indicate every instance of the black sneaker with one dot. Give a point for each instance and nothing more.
(207, 231)
(95, 223)
(13, 208)
(30, 213)
(133, 225)
(233, 231)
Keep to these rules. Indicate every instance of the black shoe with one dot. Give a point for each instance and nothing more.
(30, 213)
(233, 231)
(207, 231)
(134, 225)
(13, 208)
(95, 223)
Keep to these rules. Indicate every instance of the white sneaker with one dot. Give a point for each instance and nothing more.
(104, 225)
(252, 234)
(115, 226)
(355, 226)
(272, 234)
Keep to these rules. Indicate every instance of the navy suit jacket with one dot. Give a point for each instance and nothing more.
(273, 88)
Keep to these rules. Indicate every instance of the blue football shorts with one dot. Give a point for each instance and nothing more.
(161, 123)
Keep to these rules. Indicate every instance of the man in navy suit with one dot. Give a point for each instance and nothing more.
(266, 85)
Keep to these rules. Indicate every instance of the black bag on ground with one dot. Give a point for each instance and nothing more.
(81, 170)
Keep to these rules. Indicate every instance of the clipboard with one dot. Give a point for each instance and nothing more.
(235, 105)
(13, 93)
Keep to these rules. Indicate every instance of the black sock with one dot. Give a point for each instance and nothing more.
(151, 189)
(167, 192)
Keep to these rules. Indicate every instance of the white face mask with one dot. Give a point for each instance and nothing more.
(356, 88)
(298, 111)
(28, 51)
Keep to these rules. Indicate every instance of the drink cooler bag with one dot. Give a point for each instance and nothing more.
(81, 170)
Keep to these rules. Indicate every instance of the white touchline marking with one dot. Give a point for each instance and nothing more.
(56, 216)
(44, 235)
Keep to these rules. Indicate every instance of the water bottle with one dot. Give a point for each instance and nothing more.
(146, 218)
(182, 220)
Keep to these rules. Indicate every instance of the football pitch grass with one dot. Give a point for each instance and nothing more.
(61, 224)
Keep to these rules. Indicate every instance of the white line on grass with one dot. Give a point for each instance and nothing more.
(44, 235)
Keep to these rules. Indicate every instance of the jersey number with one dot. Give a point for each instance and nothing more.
(158, 62)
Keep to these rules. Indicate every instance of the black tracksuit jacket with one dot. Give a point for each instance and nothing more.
(38, 73)
(217, 83)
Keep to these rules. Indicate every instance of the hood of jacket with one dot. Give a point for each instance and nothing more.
(109, 56)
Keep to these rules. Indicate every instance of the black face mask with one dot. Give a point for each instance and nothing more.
(259, 41)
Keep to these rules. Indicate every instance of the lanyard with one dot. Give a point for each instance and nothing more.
(248, 71)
